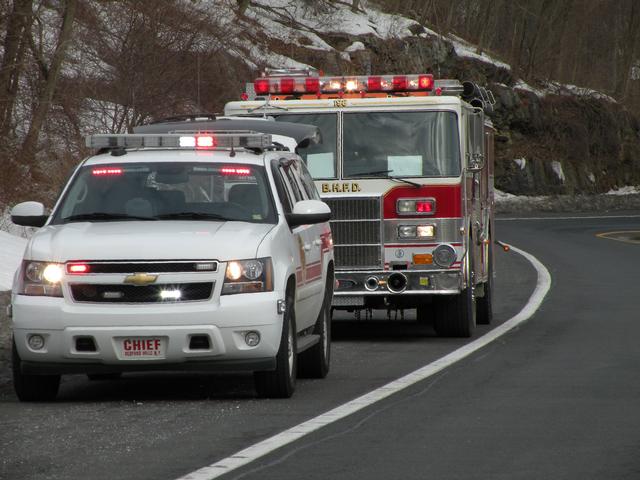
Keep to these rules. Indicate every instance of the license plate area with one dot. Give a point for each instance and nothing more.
(141, 348)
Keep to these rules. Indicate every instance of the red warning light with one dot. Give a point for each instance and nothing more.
(235, 171)
(107, 171)
(424, 206)
(261, 86)
(206, 141)
(77, 268)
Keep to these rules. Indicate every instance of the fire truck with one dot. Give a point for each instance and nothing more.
(406, 165)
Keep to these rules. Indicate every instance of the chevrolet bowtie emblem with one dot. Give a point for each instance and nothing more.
(140, 279)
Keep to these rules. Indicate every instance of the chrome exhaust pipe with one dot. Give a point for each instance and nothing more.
(371, 283)
(397, 282)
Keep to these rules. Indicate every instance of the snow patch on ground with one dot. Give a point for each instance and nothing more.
(355, 47)
(11, 250)
(568, 89)
(503, 197)
(521, 162)
(464, 49)
(557, 168)
(628, 190)
(337, 17)
(522, 85)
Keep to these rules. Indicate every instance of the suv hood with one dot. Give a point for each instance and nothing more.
(154, 240)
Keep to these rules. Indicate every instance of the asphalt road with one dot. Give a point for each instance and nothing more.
(556, 398)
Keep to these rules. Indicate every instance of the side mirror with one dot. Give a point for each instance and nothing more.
(307, 212)
(475, 162)
(29, 214)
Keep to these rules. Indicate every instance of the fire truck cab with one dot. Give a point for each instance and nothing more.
(406, 165)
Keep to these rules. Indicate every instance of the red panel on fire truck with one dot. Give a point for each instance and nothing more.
(448, 202)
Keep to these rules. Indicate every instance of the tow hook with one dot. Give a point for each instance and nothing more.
(504, 246)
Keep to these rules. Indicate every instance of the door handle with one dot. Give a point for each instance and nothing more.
(317, 242)
(307, 247)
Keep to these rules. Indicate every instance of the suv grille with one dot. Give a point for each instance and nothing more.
(152, 267)
(119, 293)
(355, 226)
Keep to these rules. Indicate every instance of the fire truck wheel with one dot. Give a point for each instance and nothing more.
(281, 382)
(33, 388)
(455, 316)
(424, 314)
(484, 305)
(315, 362)
(97, 377)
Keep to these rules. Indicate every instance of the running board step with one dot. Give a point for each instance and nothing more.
(307, 342)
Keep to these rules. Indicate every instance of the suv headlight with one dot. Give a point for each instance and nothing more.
(41, 279)
(248, 276)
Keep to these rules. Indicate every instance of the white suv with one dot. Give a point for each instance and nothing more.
(203, 251)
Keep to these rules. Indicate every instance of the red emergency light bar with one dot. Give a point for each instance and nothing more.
(283, 85)
(107, 171)
(187, 140)
(235, 171)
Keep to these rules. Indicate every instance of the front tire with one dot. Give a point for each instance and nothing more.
(424, 312)
(98, 377)
(281, 382)
(455, 316)
(32, 388)
(315, 362)
(484, 305)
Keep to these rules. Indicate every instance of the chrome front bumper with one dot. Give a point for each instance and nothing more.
(353, 286)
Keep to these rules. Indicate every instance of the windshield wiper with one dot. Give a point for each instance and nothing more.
(103, 216)
(192, 216)
(385, 174)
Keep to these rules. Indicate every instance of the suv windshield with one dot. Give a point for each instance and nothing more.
(167, 191)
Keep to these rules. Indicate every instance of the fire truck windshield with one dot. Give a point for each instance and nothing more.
(384, 144)
(400, 144)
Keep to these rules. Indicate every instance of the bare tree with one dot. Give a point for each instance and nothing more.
(15, 43)
(50, 74)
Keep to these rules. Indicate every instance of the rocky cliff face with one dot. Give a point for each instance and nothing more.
(564, 143)
(551, 139)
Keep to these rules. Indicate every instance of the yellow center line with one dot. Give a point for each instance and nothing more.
(626, 236)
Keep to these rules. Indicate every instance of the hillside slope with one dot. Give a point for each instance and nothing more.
(552, 139)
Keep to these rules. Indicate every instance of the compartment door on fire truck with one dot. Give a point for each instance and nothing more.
(309, 273)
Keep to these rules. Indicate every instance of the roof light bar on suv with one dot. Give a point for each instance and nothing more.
(186, 140)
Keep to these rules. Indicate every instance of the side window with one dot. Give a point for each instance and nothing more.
(307, 183)
(291, 185)
(288, 190)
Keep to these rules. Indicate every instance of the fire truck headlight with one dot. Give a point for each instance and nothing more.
(406, 206)
(407, 231)
(426, 231)
(444, 256)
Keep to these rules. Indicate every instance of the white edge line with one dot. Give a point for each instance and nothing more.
(267, 446)
(592, 217)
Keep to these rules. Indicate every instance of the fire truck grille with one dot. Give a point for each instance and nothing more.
(356, 225)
